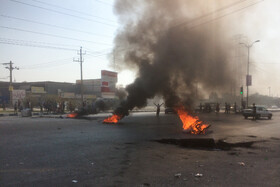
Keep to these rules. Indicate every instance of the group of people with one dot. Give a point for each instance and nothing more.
(52, 106)
(208, 108)
(18, 106)
(57, 107)
(228, 107)
(3, 105)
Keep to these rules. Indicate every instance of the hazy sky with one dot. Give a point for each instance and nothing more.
(57, 28)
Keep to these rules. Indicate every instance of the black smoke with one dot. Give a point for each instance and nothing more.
(171, 59)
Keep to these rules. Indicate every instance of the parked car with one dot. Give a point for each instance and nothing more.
(261, 111)
(169, 110)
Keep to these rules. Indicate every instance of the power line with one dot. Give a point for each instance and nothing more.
(33, 66)
(55, 26)
(210, 13)
(219, 17)
(49, 45)
(52, 35)
(34, 45)
(58, 12)
(104, 3)
(35, 42)
(99, 55)
(48, 67)
(72, 10)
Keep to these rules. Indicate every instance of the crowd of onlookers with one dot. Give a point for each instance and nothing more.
(216, 107)
(60, 106)
(48, 106)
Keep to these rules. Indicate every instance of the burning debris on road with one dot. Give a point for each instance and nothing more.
(170, 60)
(72, 115)
(113, 119)
(191, 124)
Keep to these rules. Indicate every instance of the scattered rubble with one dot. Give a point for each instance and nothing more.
(178, 175)
(241, 163)
(198, 175)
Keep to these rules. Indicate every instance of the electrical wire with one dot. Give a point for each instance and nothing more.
(54, 26)
(34, 45)
(52, 35)
(56, 65)
(36, 42)
(72, 10)
(58, 12)
(218, 17)
(47, 45)
(104, 3)
(46, 63)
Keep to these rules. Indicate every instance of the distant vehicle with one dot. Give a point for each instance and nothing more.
(261, 112)
(169, 110)
(274, 107)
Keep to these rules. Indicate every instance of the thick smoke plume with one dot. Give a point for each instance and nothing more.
(171, 59)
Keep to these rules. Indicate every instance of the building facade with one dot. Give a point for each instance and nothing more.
(92, 89)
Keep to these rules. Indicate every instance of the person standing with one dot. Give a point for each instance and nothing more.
(226, 107)
(158, 108)
(4, 106)
(15, 107)
(217, 108)
(200, 107)
(254, 112)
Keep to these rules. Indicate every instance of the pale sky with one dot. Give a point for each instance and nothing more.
(69, 24)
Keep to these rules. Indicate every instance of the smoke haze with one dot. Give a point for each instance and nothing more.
(170, 58)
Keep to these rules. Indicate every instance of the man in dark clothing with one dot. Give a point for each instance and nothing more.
(158, 108)
(226, 107)
(254, 112)
(15, 107)
(228, 110)
(200, 107)
(217, 108)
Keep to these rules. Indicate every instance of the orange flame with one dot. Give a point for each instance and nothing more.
(73, 115)
(191, 123)
(113, 119)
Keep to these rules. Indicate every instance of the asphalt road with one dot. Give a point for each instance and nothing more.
(142, 150)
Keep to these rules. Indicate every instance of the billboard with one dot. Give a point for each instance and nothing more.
(39, 90)
(18, 94)
(248, 80)
(67, 95)
(108, 83)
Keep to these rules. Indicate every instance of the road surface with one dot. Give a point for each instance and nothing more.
(142, 150)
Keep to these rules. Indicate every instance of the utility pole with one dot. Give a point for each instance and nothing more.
(248, 77)
(269, 91)
(81, 64)
(10, 67)
(238, 70)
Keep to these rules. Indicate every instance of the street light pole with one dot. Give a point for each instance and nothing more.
(247, 76)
